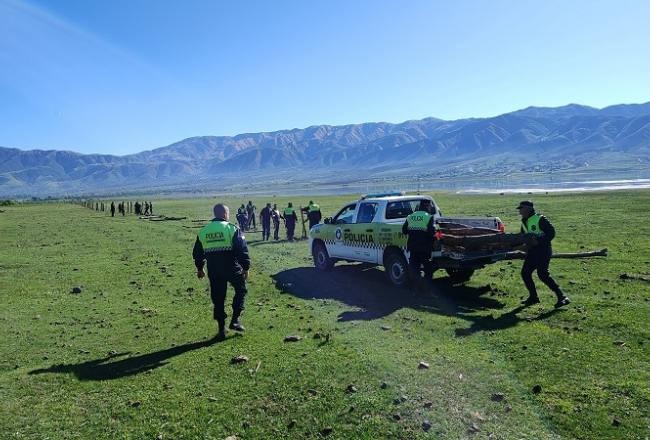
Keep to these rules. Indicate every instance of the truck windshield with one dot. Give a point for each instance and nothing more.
(401, 208)
(345, 215)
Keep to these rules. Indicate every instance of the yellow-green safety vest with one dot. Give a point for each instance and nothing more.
(418, 221)
(288, 211)
(217, 236)
(532, 225)
(314, 207)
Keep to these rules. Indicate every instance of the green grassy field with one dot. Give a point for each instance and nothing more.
(131, 356)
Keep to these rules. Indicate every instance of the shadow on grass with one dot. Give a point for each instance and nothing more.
(367, 289)
(107, 368)
(254, 243)
(501, 322)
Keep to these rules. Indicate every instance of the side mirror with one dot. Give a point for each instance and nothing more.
(327, 220)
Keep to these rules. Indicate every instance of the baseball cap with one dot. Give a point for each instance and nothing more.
(525, 203)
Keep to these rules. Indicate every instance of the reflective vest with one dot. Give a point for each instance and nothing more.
(532, 225)
(217, 236)
(314, 207)
(418, 221)
(288, 211)
(241, 211)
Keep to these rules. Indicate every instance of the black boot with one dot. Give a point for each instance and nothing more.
(236, 325)
(562, 301)
(221, 331)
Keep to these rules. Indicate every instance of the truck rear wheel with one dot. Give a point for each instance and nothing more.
(322, 260)
(458, 276)
(396, 269)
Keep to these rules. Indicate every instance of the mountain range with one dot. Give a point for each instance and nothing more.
(568, 138)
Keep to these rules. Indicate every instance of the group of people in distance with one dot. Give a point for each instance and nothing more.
(145, 208)
(137, 208)
(247, 215)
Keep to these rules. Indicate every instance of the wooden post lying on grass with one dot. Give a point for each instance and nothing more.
(519, 255)
(629, 276)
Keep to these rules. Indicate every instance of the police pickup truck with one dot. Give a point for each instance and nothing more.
(369, 230)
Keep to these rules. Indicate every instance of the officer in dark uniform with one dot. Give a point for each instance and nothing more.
(265, 220)
(421, 232)
(223, 246)
(112, 209)
(538, 257)
(290, 219)
(242, 218)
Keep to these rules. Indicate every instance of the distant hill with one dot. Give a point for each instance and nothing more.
(534, 138)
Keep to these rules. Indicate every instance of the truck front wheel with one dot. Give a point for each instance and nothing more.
(396, 269)
(322, 259)
(457, 276)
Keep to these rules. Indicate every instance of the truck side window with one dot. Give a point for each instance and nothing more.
(399, 209)
(345, 215)
(366, 213)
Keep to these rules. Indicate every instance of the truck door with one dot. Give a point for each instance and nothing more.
(342, 223)
(363, 233)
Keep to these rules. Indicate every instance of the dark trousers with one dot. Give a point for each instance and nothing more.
(266, 229)
(291, 227)
(312, 223)
(251, 221)
(276, 230)
(539, 261)
(418, 260)
(218, 287)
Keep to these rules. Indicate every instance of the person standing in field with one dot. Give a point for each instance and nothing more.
(420, 229)
(275, 215)
(250, 211)
(265, 220)
(242, 218)
(313, 213)
(538, 257)
(223, 246)
(112, 209)
(290, 219)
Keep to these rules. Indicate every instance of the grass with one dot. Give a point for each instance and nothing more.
(130, 356)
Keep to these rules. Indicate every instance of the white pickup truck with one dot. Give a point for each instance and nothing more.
(369, 230)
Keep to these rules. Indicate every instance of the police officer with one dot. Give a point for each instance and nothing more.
(265, 220)
(223, 246)
(420, 229)
(538, 256)
(112, 209)
(290, 219)
(242, 218)
(275, 216)
(250, 210)
(313, 213)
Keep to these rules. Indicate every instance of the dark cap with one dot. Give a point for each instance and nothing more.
(525, 203)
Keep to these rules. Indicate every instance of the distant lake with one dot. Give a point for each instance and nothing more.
(568, 186)
(497, 185)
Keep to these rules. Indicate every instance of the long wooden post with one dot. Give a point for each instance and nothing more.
(302, 220)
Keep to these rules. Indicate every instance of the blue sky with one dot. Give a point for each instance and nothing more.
(122, 76)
